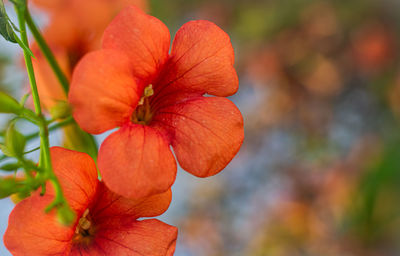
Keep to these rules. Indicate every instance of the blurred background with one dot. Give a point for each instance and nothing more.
(319, 170)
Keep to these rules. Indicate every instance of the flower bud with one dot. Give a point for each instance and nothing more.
(14, 142)
(10, 167)
(61, 110)
(9, 104)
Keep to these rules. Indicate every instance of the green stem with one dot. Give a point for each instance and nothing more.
(35, 94)
(29, 66)
(91, 145)
(32, 150)
(47, 52)
(56, 126)
(44, 133)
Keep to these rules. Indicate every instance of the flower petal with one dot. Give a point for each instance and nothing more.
(62, 30)
(111, 205)
(50, 90)
(102, 12)
(77, 174)
(49, 4)
(201, 60)
(136, 162)
(31, 230)
(103, 91)
(144, 38)
(123, 236)
(207, 133)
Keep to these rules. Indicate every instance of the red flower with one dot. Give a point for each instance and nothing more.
(157, 100)
(106, 225)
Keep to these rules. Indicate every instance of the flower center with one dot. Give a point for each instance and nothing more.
(84, 230)
(142, 113)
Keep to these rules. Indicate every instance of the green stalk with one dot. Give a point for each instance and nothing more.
(47, 52)
(44, 139)
(54, 127)
(35, 94)
(90, 142)
(34, 135)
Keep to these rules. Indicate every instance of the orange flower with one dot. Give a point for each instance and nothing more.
(157, 100)
(78, 25)
(75, 28)
(106, 225)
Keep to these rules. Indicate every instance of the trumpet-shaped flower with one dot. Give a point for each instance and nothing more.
(156, 98)
(106, 223)
(71, 33)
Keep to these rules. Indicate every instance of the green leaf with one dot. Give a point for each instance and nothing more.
(15, 142)
(9, 104)
(6, 29)
(9, 167)
(5, 150)
(19, 3)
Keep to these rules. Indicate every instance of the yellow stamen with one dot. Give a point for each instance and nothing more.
(84, 223)
(148, 91)
(142, 114)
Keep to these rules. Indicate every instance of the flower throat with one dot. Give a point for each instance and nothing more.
(84, 230)
(142, 114)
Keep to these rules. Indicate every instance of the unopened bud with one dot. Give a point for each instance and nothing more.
(10, 167)
(14, 142)
(61, 110)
